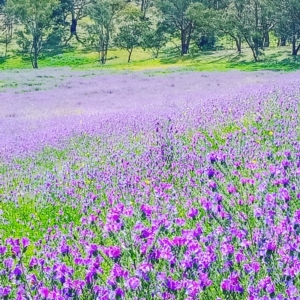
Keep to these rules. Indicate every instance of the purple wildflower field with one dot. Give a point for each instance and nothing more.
(149, 186)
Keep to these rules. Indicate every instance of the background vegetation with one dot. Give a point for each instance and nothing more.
(203, 34)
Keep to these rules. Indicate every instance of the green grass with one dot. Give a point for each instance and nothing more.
(276, 59)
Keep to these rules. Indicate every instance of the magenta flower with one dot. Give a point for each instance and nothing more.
(44, 292)
(252, 267)
(133, 283)
(271, 246)
(33, 262)
(173, 285)
(147, 210)
(232, 284)
(4, 292)
(25, 242)
(193, 212)
(113, 252)
(2, 250)
(227, 249)
(284, 194)
(231, 189)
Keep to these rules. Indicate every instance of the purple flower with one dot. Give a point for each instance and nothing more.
(2, 250)
(118, 271)
(147, 210)
(119, 292)
(292, 291)
(92, 250)
(179, 241)
(44, 292)
(15, 250)
(173, 285)
(103, 292)
(252, 267)
(193, 212)
(33, 262)
(284, 194)
(271, 246)
(180, 221)
(204, 280)
(232, 284)
(17, 271)
(25, 242)
(210, 173)
(270, 288)
(91, 274)
(133, 283)
(4, 291)
(227, 249)
(113, 252)
(8, 263)
(231, 189)
(145, 267)
(212, 157)
(240, 257)
(212, 185)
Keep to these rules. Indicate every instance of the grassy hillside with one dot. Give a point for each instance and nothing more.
(278, 59)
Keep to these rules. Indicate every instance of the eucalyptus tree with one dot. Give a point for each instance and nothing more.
(131, 30)
(144, 6)
(35, 17)
(103, 13)
(205, 19)
(288, 25)
(252, 21)
(232, 21)
(72, 11)
(6, 26)
(176, 17)
(155, 38)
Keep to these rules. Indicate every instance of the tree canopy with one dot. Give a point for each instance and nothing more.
(38, 25)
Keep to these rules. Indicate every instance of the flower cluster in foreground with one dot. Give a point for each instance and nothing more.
(182, 204)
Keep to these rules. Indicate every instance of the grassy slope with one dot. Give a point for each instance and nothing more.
(274, 59)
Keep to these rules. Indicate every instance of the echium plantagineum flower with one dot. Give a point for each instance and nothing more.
(174, 211)
(227, 249)
(112, 252)
(193, 212)
(267, 285)
(232, 284)
(253, 267)
(2, 250)
(44, 292)
(133, 283)
(4, 292)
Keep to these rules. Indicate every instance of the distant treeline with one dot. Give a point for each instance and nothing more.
(41, 25)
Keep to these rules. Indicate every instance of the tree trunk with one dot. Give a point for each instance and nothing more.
(238, 43)
(35, 62)
(283, 41)
(34, 53)
(256, 50)
(252, 49)
(184, 46)
(129, 56)
(257, 36)
(73, 28)
(267, 40)
(6, 45)
(103, 58)
(185, 40)
(255, 56)
(295, 48)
